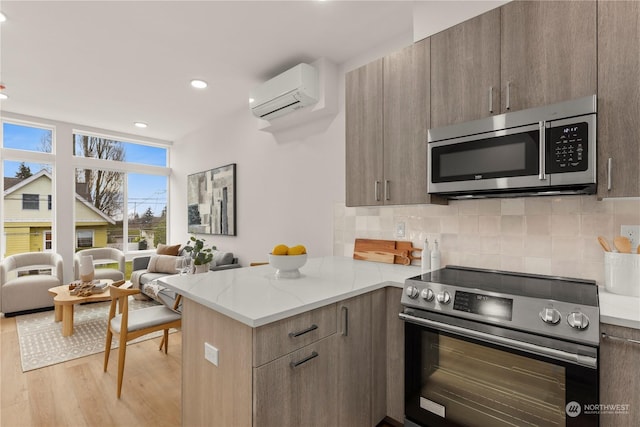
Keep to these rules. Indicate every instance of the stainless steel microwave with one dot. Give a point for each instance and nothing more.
(547, 150)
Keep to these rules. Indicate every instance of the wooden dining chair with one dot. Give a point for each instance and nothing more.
(134, 324)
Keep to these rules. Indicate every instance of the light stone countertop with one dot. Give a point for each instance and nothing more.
(619, 310)
(253, 296)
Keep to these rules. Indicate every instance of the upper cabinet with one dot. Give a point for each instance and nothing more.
(364, 137)
(618, 99)
(522, 55)
(387, 117)
(548, 52)
(465, 71)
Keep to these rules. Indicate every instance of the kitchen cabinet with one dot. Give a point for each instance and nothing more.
(465, 71)
(620, 375)
(355, 362)
(298, 389)
(548, 52)
(395, 355)
(364, 137)
(334, 365)
(618, 99)
(387, 116)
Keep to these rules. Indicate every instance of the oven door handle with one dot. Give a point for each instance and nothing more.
(576, 359)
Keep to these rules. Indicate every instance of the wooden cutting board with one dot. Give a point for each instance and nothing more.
(386, 251)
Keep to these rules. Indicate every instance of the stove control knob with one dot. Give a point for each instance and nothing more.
(578, 320)
(550, 315)
(444, 297)
(427, 294)
(412, 292)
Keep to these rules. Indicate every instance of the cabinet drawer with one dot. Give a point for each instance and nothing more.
(279, 338)
(297, 389)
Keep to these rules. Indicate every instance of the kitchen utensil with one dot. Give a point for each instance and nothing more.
(605, 245)
(622, 244)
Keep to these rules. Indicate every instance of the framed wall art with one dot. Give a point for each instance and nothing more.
(211, 201)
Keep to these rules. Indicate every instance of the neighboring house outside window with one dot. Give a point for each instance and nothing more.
(49, 202)
(84, 239)
(30, 201)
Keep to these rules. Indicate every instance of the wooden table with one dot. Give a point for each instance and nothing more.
(63, 303)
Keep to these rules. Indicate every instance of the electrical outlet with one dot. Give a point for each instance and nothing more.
(631, 232)
(400, 231)
(211, 353)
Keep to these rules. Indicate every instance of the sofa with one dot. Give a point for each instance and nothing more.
(167, 261)
(25, 280)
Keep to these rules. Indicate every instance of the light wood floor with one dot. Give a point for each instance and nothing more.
(78, 393)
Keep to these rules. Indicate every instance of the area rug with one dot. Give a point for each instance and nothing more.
(42, 343)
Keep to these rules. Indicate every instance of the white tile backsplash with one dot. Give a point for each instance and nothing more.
(542, 235)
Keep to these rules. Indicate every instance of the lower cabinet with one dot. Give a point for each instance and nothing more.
(297, 389)
(338, 365)
(620, 375)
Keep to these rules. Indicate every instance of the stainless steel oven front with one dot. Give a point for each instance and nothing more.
(461, 371)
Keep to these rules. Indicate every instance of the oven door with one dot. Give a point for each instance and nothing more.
(461, 373)
(498, 160)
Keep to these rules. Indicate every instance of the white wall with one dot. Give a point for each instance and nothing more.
(285, 191)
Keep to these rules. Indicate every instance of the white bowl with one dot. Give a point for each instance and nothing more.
(287, 265)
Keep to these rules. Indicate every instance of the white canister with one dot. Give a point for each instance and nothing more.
(622, 273)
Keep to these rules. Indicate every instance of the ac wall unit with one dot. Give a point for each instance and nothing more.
(294, 89)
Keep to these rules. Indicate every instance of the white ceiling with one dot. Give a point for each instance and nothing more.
(107, 64)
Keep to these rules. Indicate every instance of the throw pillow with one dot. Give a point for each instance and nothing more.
(164, 264)
(167, 250)
(222, 258)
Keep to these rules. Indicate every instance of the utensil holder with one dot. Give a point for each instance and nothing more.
(622, 273)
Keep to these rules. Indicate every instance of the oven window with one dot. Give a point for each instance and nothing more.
(476, 385)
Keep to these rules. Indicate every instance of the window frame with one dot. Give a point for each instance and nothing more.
(84, 230)
(29, 199)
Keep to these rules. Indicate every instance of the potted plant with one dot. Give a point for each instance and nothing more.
(200, 254)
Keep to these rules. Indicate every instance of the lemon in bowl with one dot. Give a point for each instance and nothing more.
(288, 262)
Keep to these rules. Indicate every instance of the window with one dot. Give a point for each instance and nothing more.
(128, 202)
(49, 202)
(84, 239)
(48, 240)
(30, 201)
(27, 138)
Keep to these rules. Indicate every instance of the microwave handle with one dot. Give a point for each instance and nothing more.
(543, 150)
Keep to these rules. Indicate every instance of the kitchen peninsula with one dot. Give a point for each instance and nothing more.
(323, 349)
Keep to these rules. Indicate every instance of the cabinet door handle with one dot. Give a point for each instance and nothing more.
(345, 321)
(491, 99)
(387, 190)
(302, 332)
(609, 167)
(376, 186)
(508, 102)
(542, 151)
(294, 365)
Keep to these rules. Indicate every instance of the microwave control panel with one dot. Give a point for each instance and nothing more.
(567, 148)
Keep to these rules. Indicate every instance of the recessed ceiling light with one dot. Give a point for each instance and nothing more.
(2, 17)
(251, 100)
(141, 125)
(199, 84)
(3, 96)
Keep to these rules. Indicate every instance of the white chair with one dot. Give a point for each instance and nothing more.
(131, 325)
(102, 256)
(25, 280)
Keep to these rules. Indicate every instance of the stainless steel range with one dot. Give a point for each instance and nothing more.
(494, 348)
